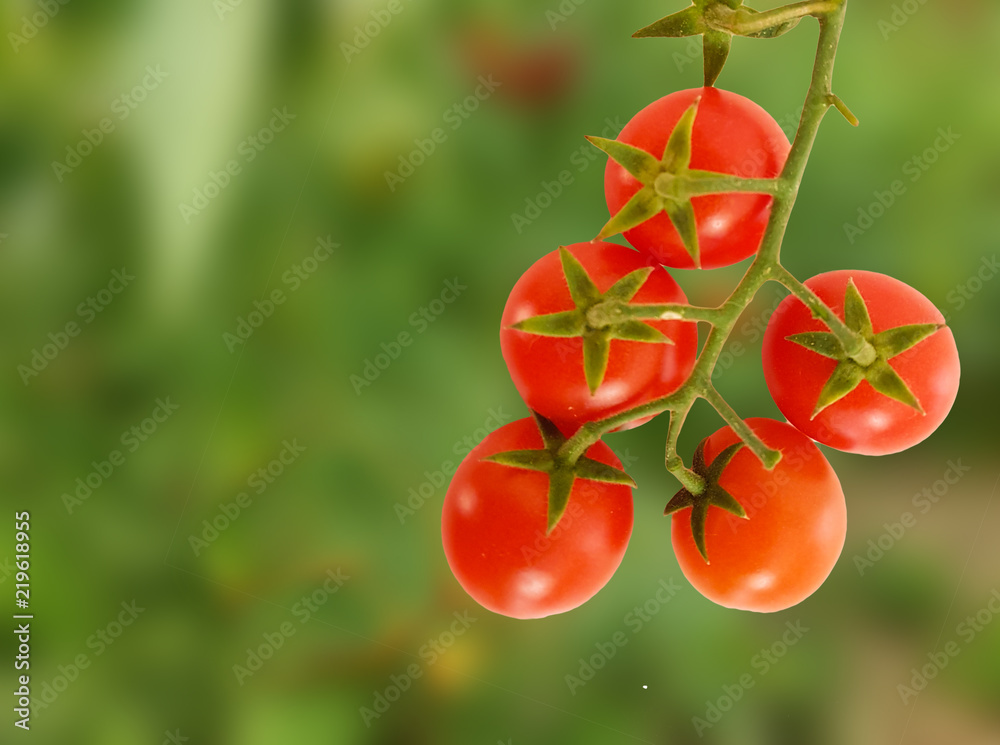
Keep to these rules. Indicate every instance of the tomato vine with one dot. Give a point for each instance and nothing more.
(591, 351)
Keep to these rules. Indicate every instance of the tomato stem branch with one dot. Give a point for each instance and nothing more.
(722, 184)
(744, 23)
(691, 481)
(672, 312)
(855, 346)
(764, 454)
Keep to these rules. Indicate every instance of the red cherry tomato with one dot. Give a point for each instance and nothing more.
(793, 537)
(731, 135)
(493, 528)
(548, 371)
(864, 421)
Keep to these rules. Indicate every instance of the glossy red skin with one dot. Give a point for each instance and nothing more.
(493, 529)
(548, 371)
(731, 135)
(793, 537)
(864, 421)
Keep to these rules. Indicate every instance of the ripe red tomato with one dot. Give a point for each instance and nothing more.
(548, 371)
(864, 421)
(494, 522)
(731, 135)
(793, 537)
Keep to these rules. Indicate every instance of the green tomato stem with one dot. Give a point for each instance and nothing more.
(692, 481)
(730, 185)
(855, 345)
(740, 22)
(671, 312)
(768, 457)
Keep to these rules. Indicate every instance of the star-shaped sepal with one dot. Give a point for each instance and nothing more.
(561, 473)
(712, 496)
(874, 365)
(598, 317)
(664, 183)
(717, 21)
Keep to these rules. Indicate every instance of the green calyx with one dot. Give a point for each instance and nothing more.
(666, 183)
(712, 495)
(871, 363)
(597, 319)
(561, 472)
(717, 21)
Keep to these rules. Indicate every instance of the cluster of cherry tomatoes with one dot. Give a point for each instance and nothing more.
(528, 534)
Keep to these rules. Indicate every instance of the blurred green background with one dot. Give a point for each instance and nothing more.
(335, 590)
